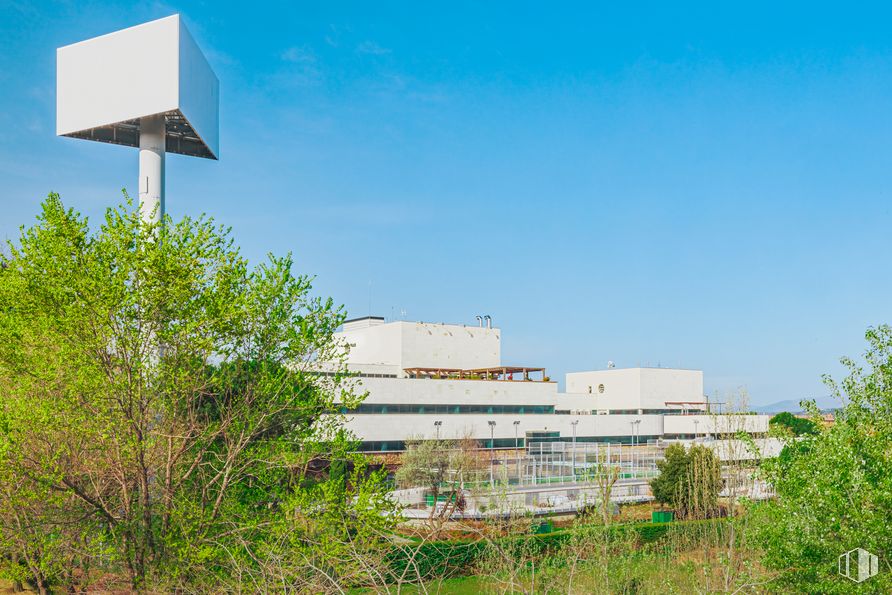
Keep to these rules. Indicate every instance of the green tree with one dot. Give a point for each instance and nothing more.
(689, 481)
(159, 412)
(834, 489)
(798, 426)
(673, 469)
(442, 467)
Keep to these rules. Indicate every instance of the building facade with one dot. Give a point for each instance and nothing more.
(435, 380)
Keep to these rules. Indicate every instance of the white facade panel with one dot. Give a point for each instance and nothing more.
(116, 77)
(660, 386)
(199, 97)
(381, 344)
(611, 389)
(712, 424)
(423, 345)
(638, 388)
(449, 346)
(457, 392)
(373, 428)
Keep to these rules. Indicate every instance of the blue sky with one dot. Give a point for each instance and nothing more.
(694, 185)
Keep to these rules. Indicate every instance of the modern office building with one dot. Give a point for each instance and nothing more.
(448, 380)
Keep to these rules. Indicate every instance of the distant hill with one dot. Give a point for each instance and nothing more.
(792, 405)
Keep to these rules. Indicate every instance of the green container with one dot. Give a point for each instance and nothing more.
(543, 527)
(429, 498)
(662, 516)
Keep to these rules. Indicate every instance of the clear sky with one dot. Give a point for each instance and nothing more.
(699, 185)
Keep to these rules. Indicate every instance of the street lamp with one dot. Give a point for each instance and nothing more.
(516, 453)
(696, 424)
(574, 423)
(492, 430)
(437, 425)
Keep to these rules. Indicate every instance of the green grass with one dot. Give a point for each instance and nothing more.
(464, 585)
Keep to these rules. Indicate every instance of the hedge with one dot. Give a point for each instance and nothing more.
(460, 557)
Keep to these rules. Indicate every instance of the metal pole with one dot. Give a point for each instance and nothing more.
(632, 451)
(574, 448)
(492, 429)
(516, 451)
(152, 145)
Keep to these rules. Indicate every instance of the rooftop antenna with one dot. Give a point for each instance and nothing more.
(147, 86)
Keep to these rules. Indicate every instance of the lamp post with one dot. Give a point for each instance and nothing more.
(696, 424)
(574, 423)
(492, 430)
(437, 425)
(516, 448)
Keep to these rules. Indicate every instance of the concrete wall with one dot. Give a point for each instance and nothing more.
(637, 388)
(400, 427)
(458, 392)
(379, 344)
(659, 385)
(711, 424)
(423, 345)
(449, 346)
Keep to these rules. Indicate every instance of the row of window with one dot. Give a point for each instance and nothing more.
(389, 408)
(354, 375)
(521, 442)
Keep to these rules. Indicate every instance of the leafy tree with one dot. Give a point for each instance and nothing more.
(798, 426)
(673, 469)
(834, 489)
(159, 414)
(442, 467)
(689, 481)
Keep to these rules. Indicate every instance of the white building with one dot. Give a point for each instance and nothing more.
(448, 381)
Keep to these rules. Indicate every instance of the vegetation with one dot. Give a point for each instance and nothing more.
(162, 429)
(834, 488)
(689, 481)
(159, 424)
(798, 426)
(441, 467)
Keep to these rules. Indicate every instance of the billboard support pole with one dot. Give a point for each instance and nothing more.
(152, 146)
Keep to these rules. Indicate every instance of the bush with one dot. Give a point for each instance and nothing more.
(441, 559)
(798, 426)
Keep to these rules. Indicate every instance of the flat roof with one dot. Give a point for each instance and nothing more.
(364, 318)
